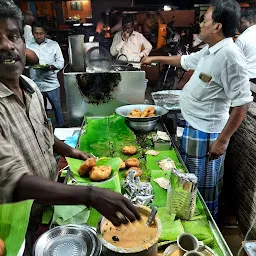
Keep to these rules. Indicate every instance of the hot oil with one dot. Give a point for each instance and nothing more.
(132, 235)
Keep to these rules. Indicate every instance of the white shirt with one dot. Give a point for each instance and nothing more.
(247, 43)
(28, 36)
(205, 106)
(48, 52)
(130, 48)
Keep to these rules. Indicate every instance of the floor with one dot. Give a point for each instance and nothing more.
(228, 224)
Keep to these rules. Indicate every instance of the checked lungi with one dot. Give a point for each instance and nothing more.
(194, 149)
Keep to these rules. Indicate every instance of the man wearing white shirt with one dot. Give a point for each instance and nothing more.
(247, 42)
(127, 44)
(220, 81)
(50, 55)
(28, 19)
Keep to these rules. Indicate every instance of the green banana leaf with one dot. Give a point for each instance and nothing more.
(171, 228)
(152, 161)
(95, 140)
(14, 218)
(160, 194)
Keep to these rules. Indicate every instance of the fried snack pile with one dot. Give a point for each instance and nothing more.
(148, 112)
(96, 173)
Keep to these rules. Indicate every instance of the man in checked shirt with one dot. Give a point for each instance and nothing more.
(28, 169)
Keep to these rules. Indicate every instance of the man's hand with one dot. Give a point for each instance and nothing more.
(51, 68)
(125, 36)
(78, 154)
(217, 149)
(114, 206)
(147, 60)
(64, 150)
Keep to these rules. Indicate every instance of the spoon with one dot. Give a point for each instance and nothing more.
(151, 216)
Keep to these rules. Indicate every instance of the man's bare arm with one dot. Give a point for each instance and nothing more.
(170, 60)
(107, 202)
(220, 145)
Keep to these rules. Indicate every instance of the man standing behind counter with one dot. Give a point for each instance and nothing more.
(28, 169)
(127, 44)
(220, 80)
(49, 53)
(247, 43)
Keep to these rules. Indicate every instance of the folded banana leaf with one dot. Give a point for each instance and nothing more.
(171, 228)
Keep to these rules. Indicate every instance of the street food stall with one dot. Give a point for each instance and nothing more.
(134, 154)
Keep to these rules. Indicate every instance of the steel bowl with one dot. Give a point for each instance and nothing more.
(71, 240)
(112, 250)
(145, 124)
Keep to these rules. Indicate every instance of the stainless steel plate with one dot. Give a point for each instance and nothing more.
(68, 240)
(126, 110)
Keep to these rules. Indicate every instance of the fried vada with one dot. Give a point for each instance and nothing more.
(122, 164)
(138, 171)
(87, 166)
(100, 173)
(132, 162)
(2, 247)
(149, 111)
(129, 150)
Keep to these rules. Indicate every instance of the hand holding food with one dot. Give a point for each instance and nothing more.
(109, 203)
(147, 60)
(78, 154)
(129, 150)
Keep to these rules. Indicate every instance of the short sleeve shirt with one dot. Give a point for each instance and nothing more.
(26, 138)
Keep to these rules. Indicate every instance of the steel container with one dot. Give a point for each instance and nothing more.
(146, 124)
(111, 250)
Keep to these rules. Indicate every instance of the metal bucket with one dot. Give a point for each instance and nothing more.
(111, 250)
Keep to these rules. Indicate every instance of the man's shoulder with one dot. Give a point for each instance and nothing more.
(31, 83)
(137, 33)
(118, 34)
(51, 42)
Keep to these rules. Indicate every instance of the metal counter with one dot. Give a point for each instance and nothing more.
(212, 224)
(131, 90)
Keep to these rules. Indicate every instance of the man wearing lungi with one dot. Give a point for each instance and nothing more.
(220, 81)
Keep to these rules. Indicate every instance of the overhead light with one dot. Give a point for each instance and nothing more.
(167, 8)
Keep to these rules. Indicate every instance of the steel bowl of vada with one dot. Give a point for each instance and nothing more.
(142, 117)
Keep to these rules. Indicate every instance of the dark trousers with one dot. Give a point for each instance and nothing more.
(54, 98)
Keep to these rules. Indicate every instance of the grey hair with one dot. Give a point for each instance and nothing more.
(9, 10)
